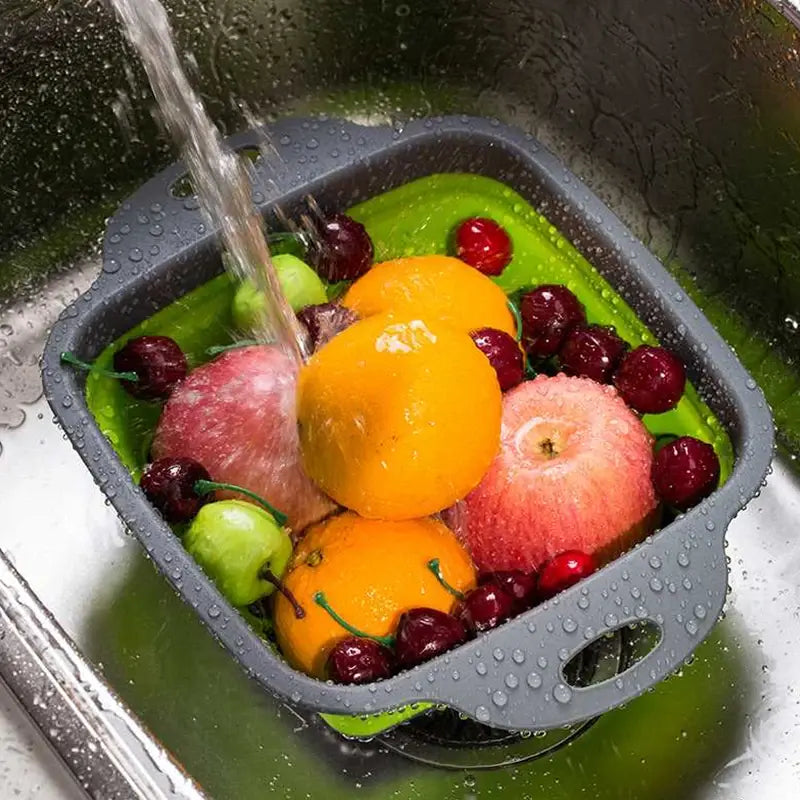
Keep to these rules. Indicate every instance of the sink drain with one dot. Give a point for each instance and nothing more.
(445, 738)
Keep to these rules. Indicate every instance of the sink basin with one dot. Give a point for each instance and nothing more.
(677, 115)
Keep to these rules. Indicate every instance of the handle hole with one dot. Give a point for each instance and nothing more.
(182, 187)
(612, 654)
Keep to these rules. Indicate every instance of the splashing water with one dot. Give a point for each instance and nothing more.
(218, 175)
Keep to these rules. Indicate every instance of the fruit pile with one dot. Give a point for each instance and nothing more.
(448, 457)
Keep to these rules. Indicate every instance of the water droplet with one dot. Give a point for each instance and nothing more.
(499, 698)
(534, 680)
(611, 620)
(498, 654)
(156, 230)
(569, 625)
(710, 525)
(512, 681)
(480, 668)
(562, 693)
(154, 250)
(214, 611)
(750, 384)
(583, 603)
(655, 562)
(518, 656)
(542, 662)
(636, 593)
(111, 266)
(691, 627)
(115, 238)
(656, 585)
(700, 611)
(191, 203)
(482, 714)
(683, 559)
(135, 254)
(456, 675)
(312, 144)
(125, 229)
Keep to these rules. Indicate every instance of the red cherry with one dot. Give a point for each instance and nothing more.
(591, 351)
(168, 484)
(504, 355)
(157, 361)
(483, 244)
(548, 312)
(341, 249)
(324, 321)
(564, 570)
(485, 607)
(685, 472)
(520, 585)
(650, 379)
(423, 633)
(359, 660)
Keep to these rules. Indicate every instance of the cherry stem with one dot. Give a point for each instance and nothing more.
(266, 574)
(435, 568)
(222, 348)
(512, 307)
(202, 487)
(68, 358)
(386, 641)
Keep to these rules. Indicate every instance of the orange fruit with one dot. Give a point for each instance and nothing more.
(432, 288)
(398, 418)
(370, 572)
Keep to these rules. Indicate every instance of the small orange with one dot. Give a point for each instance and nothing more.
(369, 572)
(432, 288)
(398, 418)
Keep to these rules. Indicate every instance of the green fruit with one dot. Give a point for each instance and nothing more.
(301, 287)
(233, 542)
(247, 305)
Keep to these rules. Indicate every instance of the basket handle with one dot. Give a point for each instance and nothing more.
(676, 582)
(163, 219)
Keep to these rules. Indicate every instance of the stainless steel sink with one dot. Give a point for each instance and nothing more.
(679, 114)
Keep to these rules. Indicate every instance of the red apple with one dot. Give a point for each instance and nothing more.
(236, 416)
(573, 473)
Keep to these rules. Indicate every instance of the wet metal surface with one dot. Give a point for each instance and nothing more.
(676, 113)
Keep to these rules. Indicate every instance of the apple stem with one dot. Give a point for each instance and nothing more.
(202, 487)
(223, 348)
(386, 641)
(266, 574)
(435, 567)
(68, 358)
(512, 307)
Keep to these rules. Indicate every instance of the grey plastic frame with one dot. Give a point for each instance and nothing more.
(158, 247)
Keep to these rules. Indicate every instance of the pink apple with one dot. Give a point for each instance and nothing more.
(236, 416)
(573, 473)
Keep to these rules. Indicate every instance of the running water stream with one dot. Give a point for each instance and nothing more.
(217, 174)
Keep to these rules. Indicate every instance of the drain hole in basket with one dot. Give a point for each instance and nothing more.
(182, 187)
(637, 640)
(445, 738)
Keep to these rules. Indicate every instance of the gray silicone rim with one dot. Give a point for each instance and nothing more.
(157, 247)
